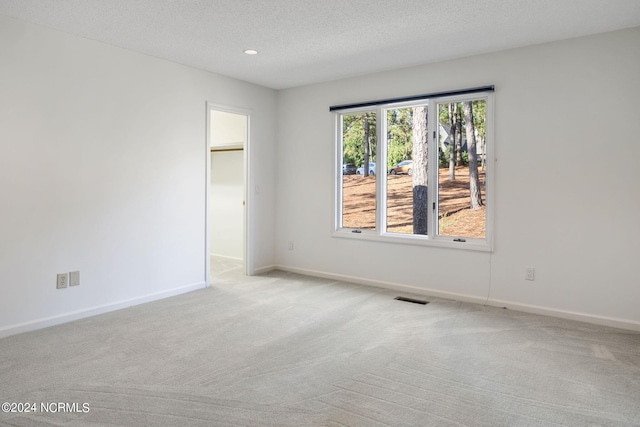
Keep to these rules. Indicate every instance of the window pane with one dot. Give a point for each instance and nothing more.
(358, 170)
(407, 165)
(462, 173)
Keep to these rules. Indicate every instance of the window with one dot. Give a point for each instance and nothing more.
(423, 170)
(358, 142)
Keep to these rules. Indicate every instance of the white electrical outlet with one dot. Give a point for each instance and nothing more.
(74, 278)
(529, 273)
(62, 280)
(290, 245)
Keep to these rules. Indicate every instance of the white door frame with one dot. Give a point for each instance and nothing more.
(246, 244)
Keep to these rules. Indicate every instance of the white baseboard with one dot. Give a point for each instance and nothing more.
(93, 311)
(386, 285)
(263, 270)
(569, 315)
(527, 308)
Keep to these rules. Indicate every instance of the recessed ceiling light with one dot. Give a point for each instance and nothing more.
(251, 52)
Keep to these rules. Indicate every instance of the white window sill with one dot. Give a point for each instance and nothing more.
(481, 245)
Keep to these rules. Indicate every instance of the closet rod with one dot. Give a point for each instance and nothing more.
(215, 150)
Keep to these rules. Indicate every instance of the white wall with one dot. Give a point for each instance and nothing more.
(226, 197)
(566, 181)
(228, 129)
(103, 171)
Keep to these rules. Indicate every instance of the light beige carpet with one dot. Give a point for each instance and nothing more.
(287, 350)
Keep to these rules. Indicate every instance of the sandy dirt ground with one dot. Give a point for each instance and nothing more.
(456, 217)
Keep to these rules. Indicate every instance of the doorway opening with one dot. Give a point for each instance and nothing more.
(226, 218)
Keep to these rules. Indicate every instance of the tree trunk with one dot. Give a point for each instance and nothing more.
(483, 146)
(365, 125)
(452, 140)
(474, 179)
(459, 136)
(419, 176)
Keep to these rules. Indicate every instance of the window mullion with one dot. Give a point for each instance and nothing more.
(339, 178)
(433, 165)
(381, 182)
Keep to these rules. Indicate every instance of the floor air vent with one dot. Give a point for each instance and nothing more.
(413, 300)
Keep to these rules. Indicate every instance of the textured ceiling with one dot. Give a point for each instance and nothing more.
(309, 41)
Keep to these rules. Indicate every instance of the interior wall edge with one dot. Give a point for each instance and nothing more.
(525, 308)
(264, 270)
(568, 315)
(385, 285)
(94, 311)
